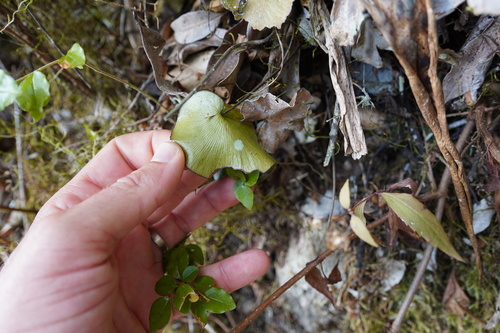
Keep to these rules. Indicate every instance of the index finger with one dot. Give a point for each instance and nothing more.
(117, 159)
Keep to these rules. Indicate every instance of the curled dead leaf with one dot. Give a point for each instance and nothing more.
(455, 299)
(320, 283)
(280, 117)
(193, 26)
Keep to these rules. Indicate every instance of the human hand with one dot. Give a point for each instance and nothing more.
(88, 263)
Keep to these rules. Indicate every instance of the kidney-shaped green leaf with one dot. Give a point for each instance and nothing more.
(8, 90)
(414, 214)
(212, 141)
(34, 94)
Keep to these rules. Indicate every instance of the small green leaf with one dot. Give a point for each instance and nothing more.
(177, 262)
(235, 174)
(414, 214)
(165, 286)
(244, 194)
(74, 58)
(195, 253)
(199, 310)
(345, 195)
(34, 94)
(182, 298)
(159, 314)
(190, 273)
(203, 283)
(219, 300)
(8, 90)
(212, 140)
(252, 177)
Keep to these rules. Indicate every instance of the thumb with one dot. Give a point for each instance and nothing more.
(118, 209)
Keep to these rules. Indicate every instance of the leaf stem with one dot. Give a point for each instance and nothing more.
(55, 62)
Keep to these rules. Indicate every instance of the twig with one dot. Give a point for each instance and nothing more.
(23, 210)
(492, 148)
(318, 260)
(442, 190)
(20, 167)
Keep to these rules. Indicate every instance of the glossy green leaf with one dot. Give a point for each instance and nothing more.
(182, 301)
(212, 141)
(34, 94)
(159, 314)
(203, 283)
(165, 286)
(244, 194)
(345, 195)
(8, 90)
(190, 273)
(219, 300)
(177, 262)
(252, 178)
(414, 214)
(74, 58)
(199, 311)
(195, 253)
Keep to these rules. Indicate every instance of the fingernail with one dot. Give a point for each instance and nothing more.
(165, 152)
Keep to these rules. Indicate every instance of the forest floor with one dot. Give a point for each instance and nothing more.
(395, 139)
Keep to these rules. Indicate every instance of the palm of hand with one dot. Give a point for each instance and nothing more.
(88, 262)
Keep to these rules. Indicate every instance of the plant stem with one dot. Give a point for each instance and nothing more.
(55, 62)
(20, 166)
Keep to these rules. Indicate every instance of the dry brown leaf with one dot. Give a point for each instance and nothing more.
(347, 17)
(280, 117)
(350, 123)
(193, 26)
(226, 74)
(320, 283)
(190, 73)
(477, 53)
(334, 276)
(153, 44)
(368, 43)
(455, 299)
